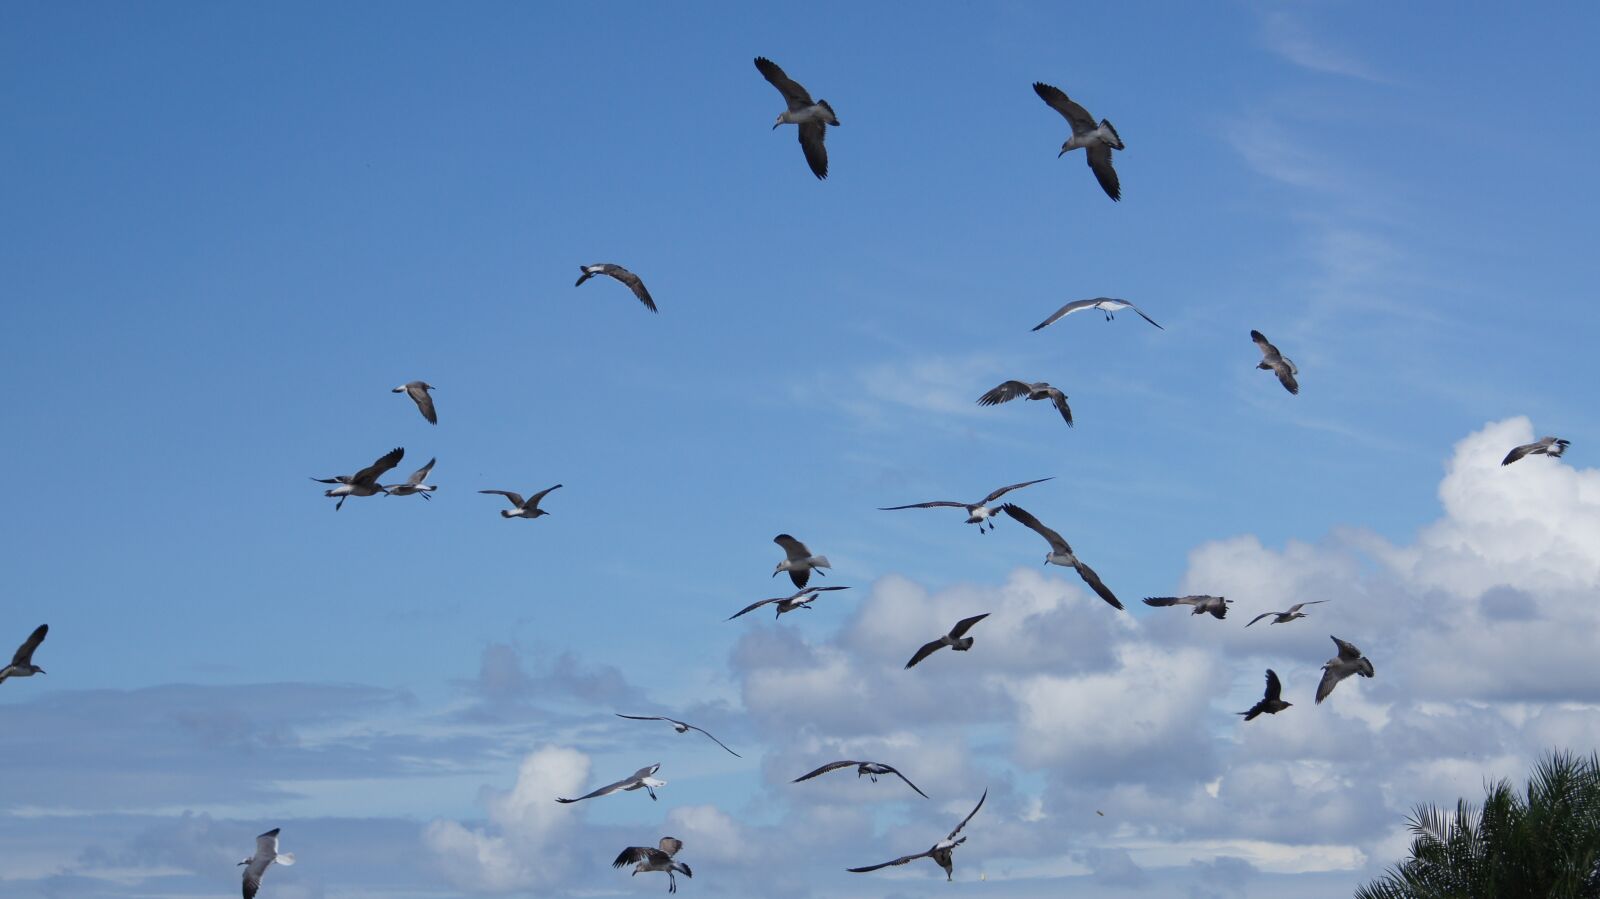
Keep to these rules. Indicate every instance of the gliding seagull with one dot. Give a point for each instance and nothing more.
(633, 281)
(639, 780)
(1097, 140)
(413, 484)
(1271, 701)
(1276, 362)
(1348, 662)
(1544, 446)
(1061, 553)
(1216, 605)
(870, 769)
(955, 640)
(787, 603)
(522, 508)
(681, 727)
(1110, 306)
(813, 117)
(942, 852)
(22, 662)
(977, 513)
(1036, 390)
(643, 858)
(798, 560)
(256, 865)
(418, 391)
(1286, 617)
(363, 482)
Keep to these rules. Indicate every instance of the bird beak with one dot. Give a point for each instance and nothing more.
(775, 125)
(1062, 153)
(41, 671)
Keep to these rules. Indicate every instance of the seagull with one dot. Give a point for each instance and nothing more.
(813, 117)
(256, 865)
(643, 858)
(679, 726)
(1097, 140)
(1348, 662)
(1109, 305)
(621, 274)
(1216, 605)
(413, 484)
(799, 561)
(418, 391)
(787, 603)
(954, 640)
(1061, 553)
(1037, 390)
(1544, 446)
(1276, 362)
(522, 508)
(639, 780)
(870, 769)
(363, 482)
(22, 663)
(941, 852)
(1286, 617)
(1270, 703)
(977, 513)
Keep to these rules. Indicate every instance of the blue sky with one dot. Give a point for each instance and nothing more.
(231, 230)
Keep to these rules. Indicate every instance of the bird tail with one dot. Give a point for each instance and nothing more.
(286, 859)
(832, 119)
(820, 562)
(1116, 139)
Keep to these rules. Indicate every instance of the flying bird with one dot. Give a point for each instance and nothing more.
(522, 508)
(941, 852)
(413, 484)
(799, 600)
(1286, 617)
(813, 116)
(1098, 140)
(22, 662)
(1107, 305)
(679, 726)
(644, 858)
(418, 391)
(363, 482)
(978, 513)
(870, 769)
(1037, 390)
(1216, 605)
(1270, 703)
(621, 274)
(256, 865)
(639, 780)
(798, 560)
(1061, 553)
(1544, 446)
(955, 640)
(1276, 362)
(1349, 661)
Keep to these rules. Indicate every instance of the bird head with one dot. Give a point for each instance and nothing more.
(38, 670)
(1287, 704)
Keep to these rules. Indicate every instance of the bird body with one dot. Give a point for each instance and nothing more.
(522, 508)
(1033, 390)
(645, 858)
(22, 661)
(1271, 702)
(256, 865)
(799, 600)
(418, 391)
(942, 852)
(641, 779)
(1349, 661)
(1108, 305)
(956, 640)
(1276, 362)
(1097, 139)
(413, 484)
(1061, 553)
(1544, 446)
(798, 560)
(812, 116)
(978, 513)
(363, 482)
(1200, 605)
(870, 769)
(611, 269)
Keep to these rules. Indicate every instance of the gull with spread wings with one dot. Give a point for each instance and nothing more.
(1286, 617)
(679, 726)
(256, 865)
(1276, 362)
(613, 270)
(418, 391)
(22, 662)
(522, 508)
(413, 484)
(1096, 139)
(1544, 446)
(798, 560)
(1035, 390)
(978, 513)
(1271, 702)
(1061, 553)
(870, 769)
(956, 640)
(942, 852)
(1108, 305)
(799, 600)
(644, 858)
(813, 116)
(1349, 661)
(639, 780)
(363, 482)
(1216, 605)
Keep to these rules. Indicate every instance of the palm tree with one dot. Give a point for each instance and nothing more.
(1544, 845)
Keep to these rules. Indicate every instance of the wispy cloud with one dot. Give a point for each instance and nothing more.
(1285, 33)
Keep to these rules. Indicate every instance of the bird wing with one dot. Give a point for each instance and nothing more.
(424, 401)
(642, 717)
(1097, 585)
(371, 473)
(1259, 617)
(421, 474)
(1300, 605)
(24, 654)
(933, 505)
(809, 590)
(796, 96)
(755, 605)
(632, 856)
(927, 649)
(1033, 524)
(252, 881)
(1285, 370)
(969, 816)
(1518, 453)
(647, 770)
(1143, 316)
(1007, 489)
(1059, 400)
(533, 500)
(1099, 156)
(670, 846)
(602, 791)
(1005, 393)
(1330, 679)
(267, 844)
(1066, 310)
(1347, 651)
(965, 625)
(715, 740)
(1274, 686)
(1171, 600)
(1076, 115)
(792, 548)
(831, 766)
(896, 773)
(515, 498)
(812, 135)
(899, 861)
(635, 284)
(1268, 351)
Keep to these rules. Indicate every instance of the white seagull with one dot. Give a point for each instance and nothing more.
(644, 858)
(799, 600)
(956, 640)
(1349, 661)
(1036, 390)
(679, 726)
(1276, 362)
(1286, 617)
(413, 484)
(363, 482)
(813, 116)
(522, 508)
(978, 513)
(1098, 140)
(1108, 305)
(1216, 605)
(256, 865)
(798, 560)
(942, 852)
(639, 780)
(1544, 446)
(22, 662)
(870, 769)
(633, 281)
(418, 391)
(1061, 553)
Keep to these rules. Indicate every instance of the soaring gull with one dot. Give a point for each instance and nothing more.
(679, 726)
(798, 560)
(522, 508)
(941, 852)
(1286, 617)
(870, 769)
(1108, 305)
(1035, 390)
(1097, 139)
(1349, 661)
(256, 865)
(621, 274)
(955, 640)
(813, 116)
(22, 662)
(363, 482)
(977, 513)
(639, 780)
(418, 391)
(799, 600)
(1216, 605)
(1276, 362)
(644, 858)
(413, 484)
(1544, 446)
(1061, 553)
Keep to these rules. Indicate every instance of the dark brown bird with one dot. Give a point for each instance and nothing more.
(955, 640)
(621, 274)
(1271, 703)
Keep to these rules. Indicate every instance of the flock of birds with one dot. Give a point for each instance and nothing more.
(812, 117)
